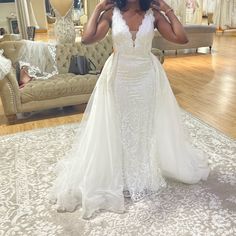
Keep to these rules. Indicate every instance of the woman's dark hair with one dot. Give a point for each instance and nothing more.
(144, 4)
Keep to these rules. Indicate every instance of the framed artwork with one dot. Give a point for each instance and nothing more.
(6, 1)
(13, 25)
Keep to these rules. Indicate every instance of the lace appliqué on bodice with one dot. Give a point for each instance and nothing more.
(64, 27)
(123, 40)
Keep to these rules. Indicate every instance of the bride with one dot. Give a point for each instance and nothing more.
(132, 137)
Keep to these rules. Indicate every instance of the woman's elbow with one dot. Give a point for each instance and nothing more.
(183, 40)
(85, 40)
(90, 39)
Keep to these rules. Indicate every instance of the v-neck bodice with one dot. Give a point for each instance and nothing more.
(126, 41)
(133, 32)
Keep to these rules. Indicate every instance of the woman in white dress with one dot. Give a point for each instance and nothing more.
(131, 138)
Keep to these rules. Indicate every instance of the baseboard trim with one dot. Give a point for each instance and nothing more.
(41, 30)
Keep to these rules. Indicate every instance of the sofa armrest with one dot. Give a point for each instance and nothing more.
(159, 54)
(10, 94)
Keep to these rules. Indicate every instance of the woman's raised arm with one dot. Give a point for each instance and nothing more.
(98, 24)
(171, 30)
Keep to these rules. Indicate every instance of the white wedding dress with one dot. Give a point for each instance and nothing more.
(131, 136)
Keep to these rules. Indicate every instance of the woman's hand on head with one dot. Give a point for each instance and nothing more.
(159, 5)
(105, 5)
(171, 29)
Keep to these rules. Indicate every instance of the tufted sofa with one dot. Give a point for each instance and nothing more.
(198, 35)
(10, 37)
(63, 89)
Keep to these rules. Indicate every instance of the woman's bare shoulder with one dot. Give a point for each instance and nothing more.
(156, 13)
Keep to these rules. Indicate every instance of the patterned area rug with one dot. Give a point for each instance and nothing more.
(27, 162)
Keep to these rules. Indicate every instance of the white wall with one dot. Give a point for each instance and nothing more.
(5, 10)
(89, 6)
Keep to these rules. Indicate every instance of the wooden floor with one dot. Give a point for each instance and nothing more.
(204, 84)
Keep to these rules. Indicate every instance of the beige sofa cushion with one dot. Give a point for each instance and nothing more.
(62, 85)
(12, 51)
(200, 28)
(10, 37)
(198, 35)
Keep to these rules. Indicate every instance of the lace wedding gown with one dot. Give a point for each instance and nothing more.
(5, 65)
(131, 136)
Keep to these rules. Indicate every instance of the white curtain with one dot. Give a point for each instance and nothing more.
(90, 5)
(205, 7)
(32, 18)
(234, 14)
(208, 6)
(179, 7)
(194, 11)
(211, 6)
(223, 13)
(5, 65)
(198, 12)
(182, 10)
(25, 15)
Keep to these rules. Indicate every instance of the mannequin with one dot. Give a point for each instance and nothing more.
(64, 26)
(62, 6)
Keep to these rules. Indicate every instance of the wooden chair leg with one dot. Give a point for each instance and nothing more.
(11, 119)
(210, 47)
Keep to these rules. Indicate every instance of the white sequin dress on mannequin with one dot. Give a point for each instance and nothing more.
(64, 27)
